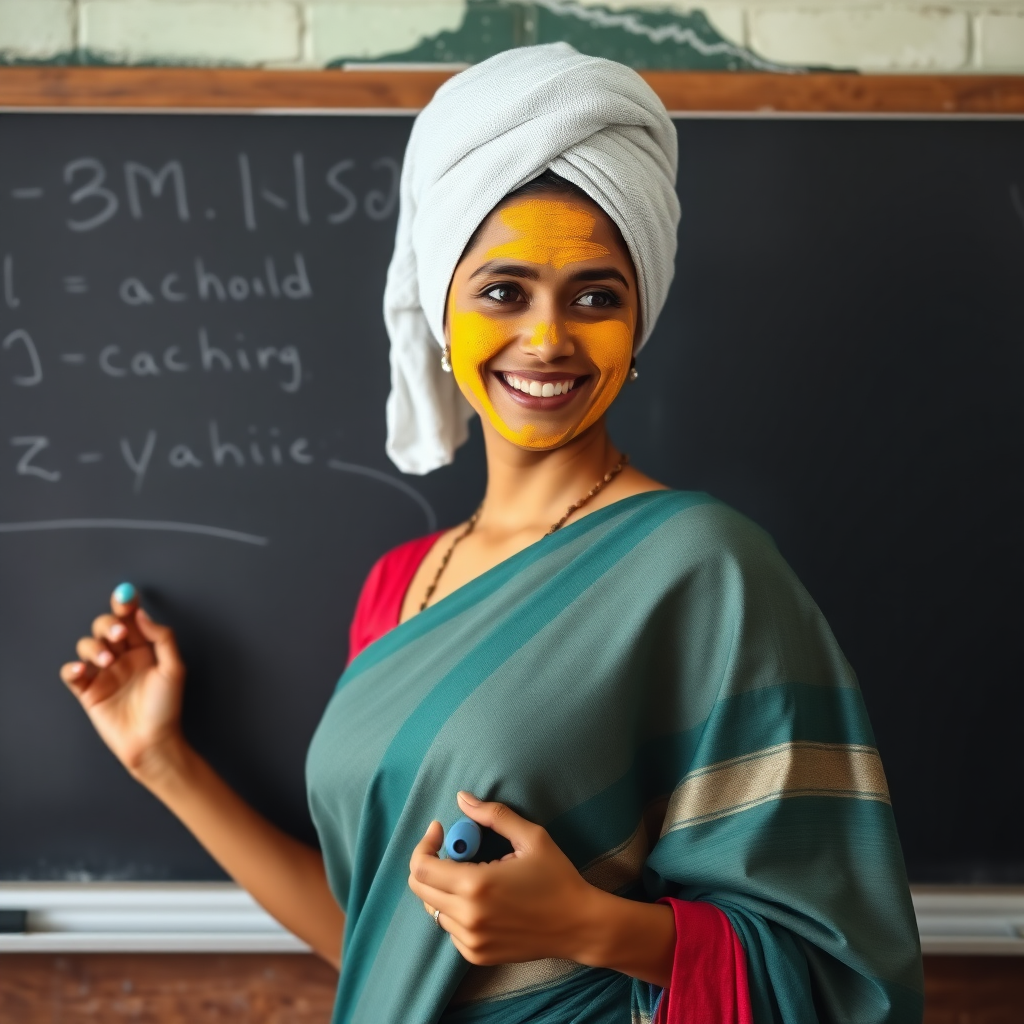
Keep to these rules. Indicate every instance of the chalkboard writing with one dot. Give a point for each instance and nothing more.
(193, 371)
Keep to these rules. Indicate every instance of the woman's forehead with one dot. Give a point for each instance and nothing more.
(547, 230)
(554, 229)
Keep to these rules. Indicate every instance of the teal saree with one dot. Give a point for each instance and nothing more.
(653, 685)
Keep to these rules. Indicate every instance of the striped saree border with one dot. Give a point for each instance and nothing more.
(782, 771)
(494, 579)
(786, 770)
(503, 981)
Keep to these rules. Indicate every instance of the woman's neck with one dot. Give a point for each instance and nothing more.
(531, 490)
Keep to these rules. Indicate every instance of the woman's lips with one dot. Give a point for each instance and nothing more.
(538, 390)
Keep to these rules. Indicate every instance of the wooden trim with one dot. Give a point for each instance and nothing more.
(840, 93)
(727, 92)
(216, 88)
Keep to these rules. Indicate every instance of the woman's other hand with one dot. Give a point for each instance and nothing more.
(129, 680)
(531, 904)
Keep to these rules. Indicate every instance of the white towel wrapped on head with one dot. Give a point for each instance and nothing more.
(487, 131)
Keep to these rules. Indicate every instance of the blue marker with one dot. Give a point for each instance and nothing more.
(124, 593)
(463, 840)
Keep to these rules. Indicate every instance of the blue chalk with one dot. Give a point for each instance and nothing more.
(463, 840)
(124, 593)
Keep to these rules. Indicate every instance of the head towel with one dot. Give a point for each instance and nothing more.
(487, 131)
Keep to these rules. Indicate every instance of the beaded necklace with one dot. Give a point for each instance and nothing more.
(475, 517)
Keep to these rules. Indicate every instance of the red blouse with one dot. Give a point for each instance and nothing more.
(709, 967)
(380, 601)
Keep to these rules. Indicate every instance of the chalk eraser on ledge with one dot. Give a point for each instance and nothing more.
(13, 921)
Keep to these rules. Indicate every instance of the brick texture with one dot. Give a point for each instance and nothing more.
(884, 39)
(375, 28)
(1001, 41)
(868, 35)
(36, 29)
(223, 32)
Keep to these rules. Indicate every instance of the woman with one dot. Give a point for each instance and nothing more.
(625, 682)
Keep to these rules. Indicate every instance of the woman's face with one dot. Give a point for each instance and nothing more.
(541, 318)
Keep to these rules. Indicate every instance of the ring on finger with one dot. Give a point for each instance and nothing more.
(437, 914)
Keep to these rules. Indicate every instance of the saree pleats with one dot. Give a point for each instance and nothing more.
(654, 686)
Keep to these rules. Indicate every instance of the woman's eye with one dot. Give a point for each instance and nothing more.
(597, 300)
(502, 293)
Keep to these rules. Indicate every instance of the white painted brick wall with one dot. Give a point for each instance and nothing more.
(254, 32)
(36, 30)
(869, 35)
(372, 29)
(1000, 44)
(885, 39)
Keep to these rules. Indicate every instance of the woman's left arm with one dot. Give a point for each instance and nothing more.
(534, 904)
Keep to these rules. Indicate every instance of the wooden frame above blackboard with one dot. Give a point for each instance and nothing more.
(721, 93)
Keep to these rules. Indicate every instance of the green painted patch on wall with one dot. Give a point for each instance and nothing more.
(642, 39)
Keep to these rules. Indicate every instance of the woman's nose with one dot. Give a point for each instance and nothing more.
(549, 340)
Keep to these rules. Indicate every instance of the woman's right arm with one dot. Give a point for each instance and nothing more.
(129, 681)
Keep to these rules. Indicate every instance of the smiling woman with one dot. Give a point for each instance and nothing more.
(624, 686)
(541, 315)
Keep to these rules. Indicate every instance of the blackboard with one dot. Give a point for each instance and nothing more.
(193, 370)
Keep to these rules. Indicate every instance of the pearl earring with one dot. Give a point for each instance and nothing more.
(633, 371)
(446, 360)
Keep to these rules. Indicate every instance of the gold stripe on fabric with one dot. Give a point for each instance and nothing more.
(776, 773)
(504, 980)
(620, 866)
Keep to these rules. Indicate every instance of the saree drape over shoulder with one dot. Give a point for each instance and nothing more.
(653, 685)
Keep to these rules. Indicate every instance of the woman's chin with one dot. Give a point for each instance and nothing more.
(534, 437)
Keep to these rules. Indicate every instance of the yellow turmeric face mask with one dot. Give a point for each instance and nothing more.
(558, 234)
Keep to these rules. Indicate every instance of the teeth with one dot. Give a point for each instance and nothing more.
(537, 389)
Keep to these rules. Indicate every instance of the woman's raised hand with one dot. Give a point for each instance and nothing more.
(130, 680)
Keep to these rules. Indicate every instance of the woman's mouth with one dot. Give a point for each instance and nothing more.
(540, 390)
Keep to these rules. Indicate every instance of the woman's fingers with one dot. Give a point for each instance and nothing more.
(111, 630)
(95, 651)
(451, 906)
(426, 868)
(77, 674)
(124, 600)
(124, 604)
(430, 844)
(165, 647)
(445, 875)
(522, 834)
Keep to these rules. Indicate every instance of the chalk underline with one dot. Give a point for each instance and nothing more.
(168, 526)
(135, 524)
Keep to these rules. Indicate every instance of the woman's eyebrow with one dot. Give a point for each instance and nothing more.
(521, 271)
(507, 269)
(600, 274)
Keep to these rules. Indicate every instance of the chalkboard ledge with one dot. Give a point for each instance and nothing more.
(978, 920)
(221, 918)
(206, 917)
